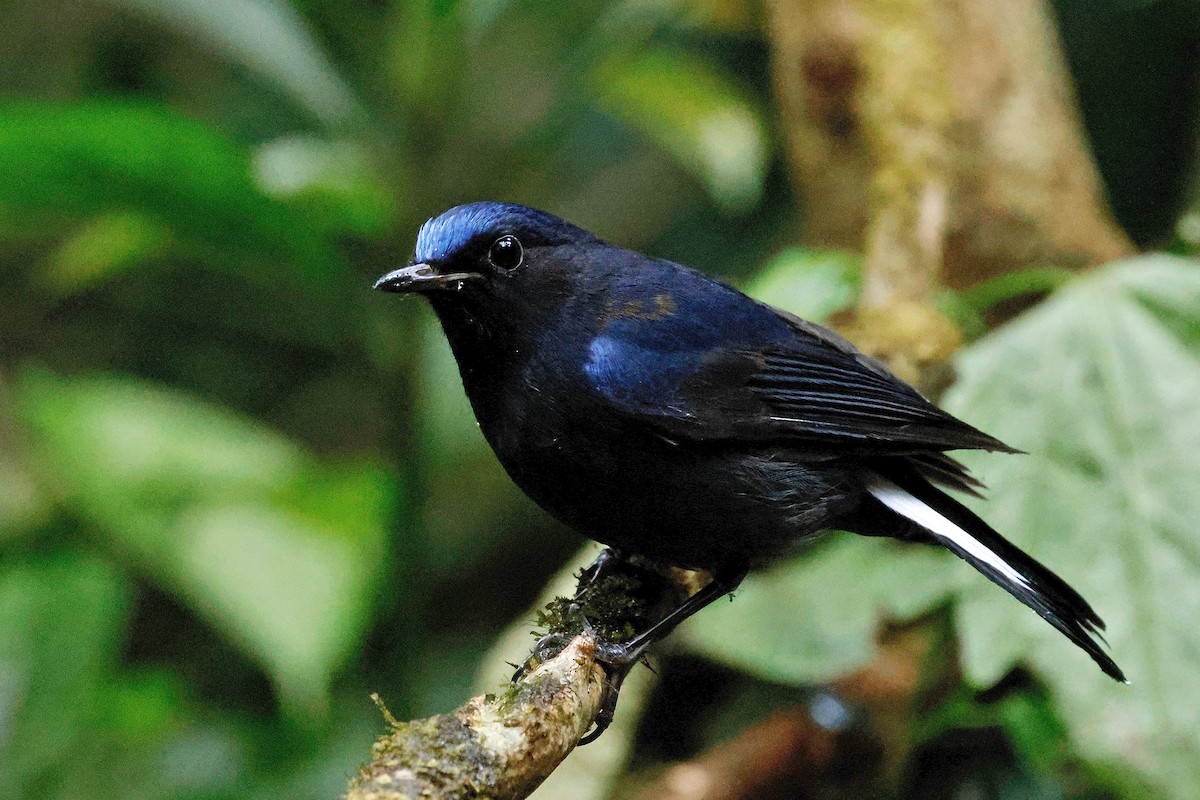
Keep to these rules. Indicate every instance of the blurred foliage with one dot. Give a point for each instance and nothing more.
(144, 175)
(238, 492)
(281, 552)
(697, 115)
(1137, 70)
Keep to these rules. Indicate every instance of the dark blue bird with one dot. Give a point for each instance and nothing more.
(668, 415)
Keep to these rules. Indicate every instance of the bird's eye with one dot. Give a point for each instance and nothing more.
(506, 253)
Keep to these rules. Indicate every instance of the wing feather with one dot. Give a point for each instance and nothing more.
(763, 375)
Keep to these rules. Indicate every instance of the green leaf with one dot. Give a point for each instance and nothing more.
(334, 180)
(1018, 283)
(60, 625)
(1027, 715)
(710, 125)
(279, 551)
(1101, 384)
(813, 284)
(816, 617)
(270, 38)
(146, 167)
(106, 245)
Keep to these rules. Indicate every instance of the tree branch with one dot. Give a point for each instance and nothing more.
(500, 747)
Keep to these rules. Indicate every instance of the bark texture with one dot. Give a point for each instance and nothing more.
(495, 747)
(941, 139)
(503, 747)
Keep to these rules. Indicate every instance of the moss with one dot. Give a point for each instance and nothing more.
(509, 695)
(436, 752)
(615, 608)
(559, 616)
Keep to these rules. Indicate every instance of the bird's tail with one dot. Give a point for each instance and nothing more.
(958, 529)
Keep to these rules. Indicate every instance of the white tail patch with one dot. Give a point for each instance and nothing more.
(911, 507)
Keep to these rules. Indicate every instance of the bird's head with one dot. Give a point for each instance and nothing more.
(492, 257)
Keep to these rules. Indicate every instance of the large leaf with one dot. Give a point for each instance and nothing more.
(155, 170)
(816, 618)
(278, 550)
(60, 625)
(708, 123)
(269, 37)
(1101, 384)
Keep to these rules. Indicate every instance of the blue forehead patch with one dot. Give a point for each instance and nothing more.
(443, 236)
(454, 229)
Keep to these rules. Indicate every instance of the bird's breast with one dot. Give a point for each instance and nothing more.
(620, 482)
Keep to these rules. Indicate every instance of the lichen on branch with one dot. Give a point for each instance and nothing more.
(495, 746)
(503, 746)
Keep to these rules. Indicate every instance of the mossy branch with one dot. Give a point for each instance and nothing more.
(503, 746)
(493, 746)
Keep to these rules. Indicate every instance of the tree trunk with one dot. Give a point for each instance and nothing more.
(941, 139)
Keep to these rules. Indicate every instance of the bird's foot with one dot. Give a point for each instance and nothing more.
(614, 656)
(546, 648)
(614, 677)
(606, 563)
(616, 659)
(613, 598)
(621, 655)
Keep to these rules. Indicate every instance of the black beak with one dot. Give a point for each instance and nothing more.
(422, 278)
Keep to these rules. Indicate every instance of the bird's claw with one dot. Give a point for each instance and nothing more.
(617, 660)
(614, 676)
(595, 572)
(619, 655)
(546, 648)
(608, 710)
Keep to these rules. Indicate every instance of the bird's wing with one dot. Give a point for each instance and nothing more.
(817, 385)
(720, 366)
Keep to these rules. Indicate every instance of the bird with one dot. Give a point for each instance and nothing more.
(667, 415)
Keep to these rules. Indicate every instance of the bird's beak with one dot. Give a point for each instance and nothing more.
(422, 278)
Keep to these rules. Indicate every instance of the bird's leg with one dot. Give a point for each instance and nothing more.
(598, 570)
(629, 652)
(619, 659)
(591, 610)
(608, 562)
(613, 678)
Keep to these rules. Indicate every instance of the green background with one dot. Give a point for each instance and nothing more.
(239, 491)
